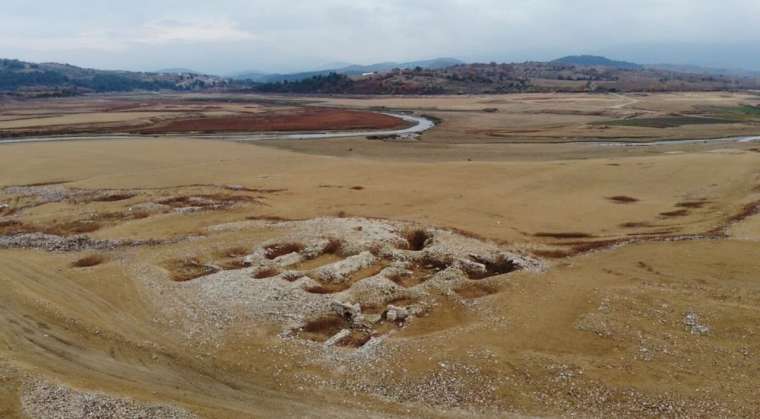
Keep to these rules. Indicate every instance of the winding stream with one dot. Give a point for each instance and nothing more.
(421, 124)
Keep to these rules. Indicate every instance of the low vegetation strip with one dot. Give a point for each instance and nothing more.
(666, 122)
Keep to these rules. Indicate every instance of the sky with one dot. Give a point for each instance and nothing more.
(228, 36)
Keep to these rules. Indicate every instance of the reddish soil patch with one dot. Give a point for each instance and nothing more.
(308, 119)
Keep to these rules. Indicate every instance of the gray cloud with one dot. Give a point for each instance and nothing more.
(229, 35)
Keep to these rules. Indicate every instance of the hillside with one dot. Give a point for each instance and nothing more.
(25, 78)
(513, 78)
(569, 74)
(596, 61)
(349, 70)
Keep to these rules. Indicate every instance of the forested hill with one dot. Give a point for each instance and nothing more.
(526, 77)
(51, 78)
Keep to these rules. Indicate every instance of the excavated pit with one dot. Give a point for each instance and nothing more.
(343, 282)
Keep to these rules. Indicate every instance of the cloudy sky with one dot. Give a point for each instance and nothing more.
(226, 36)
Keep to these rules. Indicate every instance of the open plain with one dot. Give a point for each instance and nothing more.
(531, 255)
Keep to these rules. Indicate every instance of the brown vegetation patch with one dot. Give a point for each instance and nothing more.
(584, 247)
(417, 239)
(273, 251)
(88, 261)
(622, 199)
(306, 119)
(114, 197)
(186, 269)
(552, 253)
(291, 276)
(257, 190)
(692, 204)
(746, 212)
(71, 228)
(323, 289)
(635, 224)
(11, 227)
(266, 273)
(676, 213)
(6, 210)
(469, 234)
(656, 233)
(571, 235)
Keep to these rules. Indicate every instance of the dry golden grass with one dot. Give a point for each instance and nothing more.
(605, 318)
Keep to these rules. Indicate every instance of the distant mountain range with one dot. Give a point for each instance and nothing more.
(349, 70)
(596, 61)
(695, 69)
(63, 79)
(178, 71)
(441, 75)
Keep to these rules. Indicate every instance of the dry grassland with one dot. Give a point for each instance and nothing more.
(642, 302)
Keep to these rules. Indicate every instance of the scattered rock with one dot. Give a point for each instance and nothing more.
(343, 334)
(338, 272)
(396, 314)
(43, 400)
(358, 290)
(350, 312)
(691, 320)
(53, 243)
